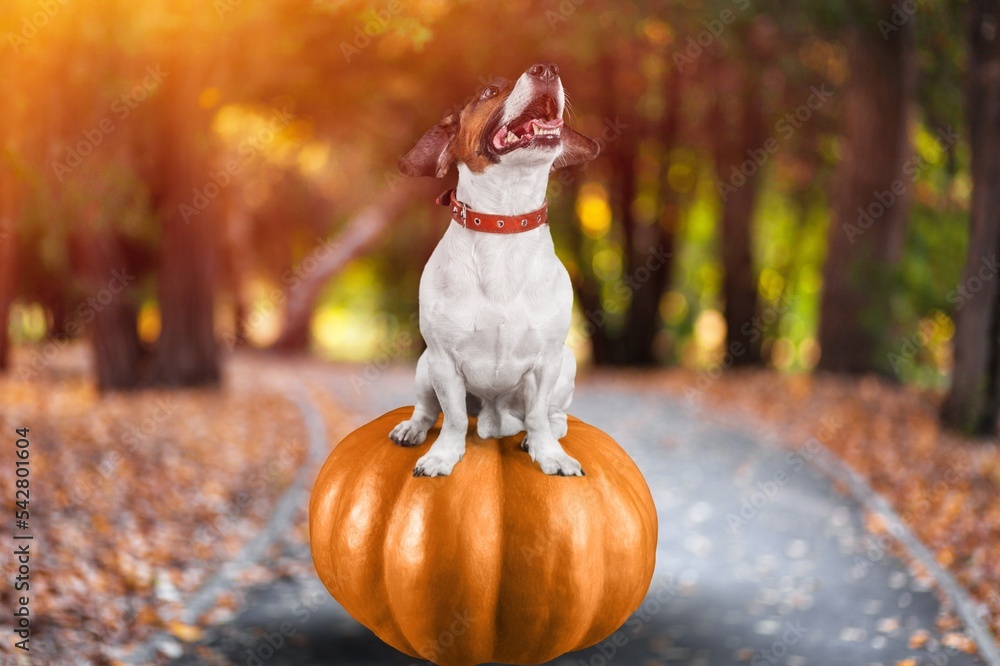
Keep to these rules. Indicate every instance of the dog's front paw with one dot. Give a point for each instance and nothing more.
(560, 464)
(556, 462)
(408, 433)
(436, 463)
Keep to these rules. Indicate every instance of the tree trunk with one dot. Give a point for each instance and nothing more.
(236, 259)
(359, 235)
(114, 335)
(868, 224)
(652, 247)
(974, 398)
(187, 353)
(739, 284)
(633, 343)
(9, 204)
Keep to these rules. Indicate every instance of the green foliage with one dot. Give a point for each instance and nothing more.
(362, 82)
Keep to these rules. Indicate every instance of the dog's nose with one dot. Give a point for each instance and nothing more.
(545, 71)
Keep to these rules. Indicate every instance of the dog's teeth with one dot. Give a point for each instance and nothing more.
(511, 137)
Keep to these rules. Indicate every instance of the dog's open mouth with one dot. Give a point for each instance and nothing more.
(538, 126)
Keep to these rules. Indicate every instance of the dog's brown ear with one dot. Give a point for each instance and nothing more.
(577, 148)
(432, 155)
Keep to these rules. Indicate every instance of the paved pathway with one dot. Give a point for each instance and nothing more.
(760, 561)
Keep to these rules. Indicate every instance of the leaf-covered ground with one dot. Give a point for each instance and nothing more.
(136, 499)
(944, 486)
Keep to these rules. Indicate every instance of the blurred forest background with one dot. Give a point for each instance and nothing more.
(812, 186)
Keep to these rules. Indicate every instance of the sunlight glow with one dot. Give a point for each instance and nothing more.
(593, 210)
(608, 262)
(149, 322)
(771, 284)
(710, 329)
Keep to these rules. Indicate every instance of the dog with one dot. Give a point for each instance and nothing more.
(495, 301)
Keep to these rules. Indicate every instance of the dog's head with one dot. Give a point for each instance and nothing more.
(507, 124)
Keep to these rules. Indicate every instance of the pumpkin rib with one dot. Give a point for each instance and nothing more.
(582, 640)
(595, 628)
(392, 612)
(642, 505)
(597, 575)
(512, 553)
(500, 475)
(620, 475)
(364, 462)
(336, 520)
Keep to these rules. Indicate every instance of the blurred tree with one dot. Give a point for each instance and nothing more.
(973, 402)
(115, 339)
(618, 70)
(644, 323)
(868, 226)
(359, 235)
(12, 190)
(187, 353)
(642, 118)
(9, 210)
(741, 173)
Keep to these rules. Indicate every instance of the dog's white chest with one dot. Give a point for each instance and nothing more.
(498, 305)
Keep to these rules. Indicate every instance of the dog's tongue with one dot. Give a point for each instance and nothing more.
(525, 132)
(555, 123)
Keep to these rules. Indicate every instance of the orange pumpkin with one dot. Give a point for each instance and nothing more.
(496, 562)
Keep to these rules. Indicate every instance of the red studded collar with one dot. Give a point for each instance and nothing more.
(494, 224)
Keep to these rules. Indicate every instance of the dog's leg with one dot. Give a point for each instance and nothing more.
(488, 425)
(414, 430)
(450, 445)
(562, 394)
(543, 447)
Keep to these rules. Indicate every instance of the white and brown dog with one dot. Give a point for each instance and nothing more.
(495, 301)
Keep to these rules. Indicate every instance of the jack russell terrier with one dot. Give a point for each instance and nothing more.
(495, 301)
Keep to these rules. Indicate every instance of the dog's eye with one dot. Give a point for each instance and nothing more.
(490, 91)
